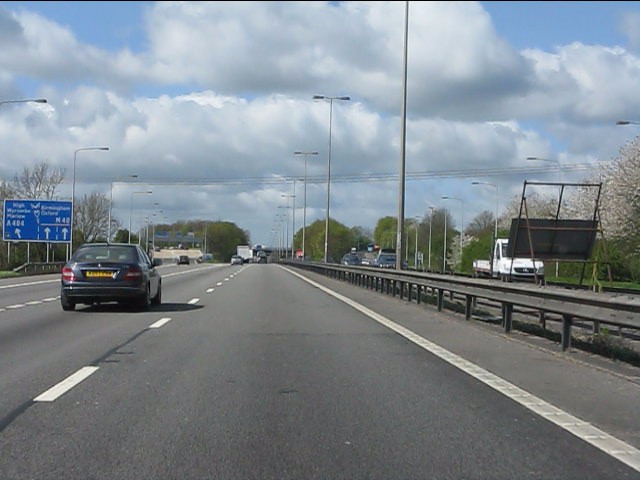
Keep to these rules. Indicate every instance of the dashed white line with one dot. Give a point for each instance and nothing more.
(17, 305)
(193, 301)
(218, 284)
(209, 290)
(34, 302)
(65, 385)
(614, 447)
(160, 322)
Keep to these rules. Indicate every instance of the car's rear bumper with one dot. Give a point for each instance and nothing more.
(90, 293)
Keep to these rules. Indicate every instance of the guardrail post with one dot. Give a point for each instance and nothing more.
(507, 314)
(468, 307)
(440, 299)
(418, 294)
(542, 318)
(596, 327)
(567, 320)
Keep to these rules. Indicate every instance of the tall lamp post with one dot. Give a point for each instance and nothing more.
(445, 197)
(111, 205)
(145, 192)
(33, 100)
(557, 162)
(73, 189)
(430, 222)
(495, 229)
(444, 253)
(326, 228)
(293, 227)
(415, 261)
(304, 210)
(286, 219)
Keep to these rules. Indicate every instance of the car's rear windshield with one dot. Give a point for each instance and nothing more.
(107, 253)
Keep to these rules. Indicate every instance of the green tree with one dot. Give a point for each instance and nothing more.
(385, 232)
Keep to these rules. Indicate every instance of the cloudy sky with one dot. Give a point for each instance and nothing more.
(208, 101)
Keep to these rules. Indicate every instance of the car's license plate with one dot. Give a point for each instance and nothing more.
(99, 274)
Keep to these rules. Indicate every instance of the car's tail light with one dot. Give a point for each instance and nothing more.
(133, 273)
(67, 274)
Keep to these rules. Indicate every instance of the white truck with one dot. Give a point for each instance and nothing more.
(506, 268)
(246, 252)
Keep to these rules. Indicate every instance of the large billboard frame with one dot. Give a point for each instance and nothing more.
(558, 239)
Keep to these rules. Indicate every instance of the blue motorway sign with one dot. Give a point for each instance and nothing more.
(47, 221)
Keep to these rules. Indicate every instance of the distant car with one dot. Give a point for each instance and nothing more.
(115, 272)
(351, 259)
(237, 260)
(183, 260)
(261, 256)
(386, 260)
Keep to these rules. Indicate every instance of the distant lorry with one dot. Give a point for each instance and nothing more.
(506, 268)
(246, 252)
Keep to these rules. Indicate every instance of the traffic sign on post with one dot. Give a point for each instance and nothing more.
(46, 221)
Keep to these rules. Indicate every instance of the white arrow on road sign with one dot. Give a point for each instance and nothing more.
(64, 233)
(46, 232)
(17, 231)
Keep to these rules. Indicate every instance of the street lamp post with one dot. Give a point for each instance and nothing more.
(430, 222)
(444, 254)
(445, 197)
(111, 206)
(73, 189)
(326, 228)
(286, 216)
(495, 230)
(415, 261)
(34, 100)
(557, 162)
(293, 226)
(304, 210)
(293, 216)
(145, 192)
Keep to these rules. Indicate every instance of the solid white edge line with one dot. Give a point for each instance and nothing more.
(193, 301)
(612, 446)
(65, 385)
(160, 322)
(15, 285)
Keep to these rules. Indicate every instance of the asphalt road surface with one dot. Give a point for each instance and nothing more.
(262, 372)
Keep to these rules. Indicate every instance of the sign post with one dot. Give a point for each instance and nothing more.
(44, 221)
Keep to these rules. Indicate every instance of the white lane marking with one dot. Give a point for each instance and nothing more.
(160, 322)
(209, 290)
(65, 385)
(1, 309)
(218, 284)
(614, 447)
(34, 302)
(50, 299)
(15, 285)
(226, 279)
(17, 305)
(193, 301)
